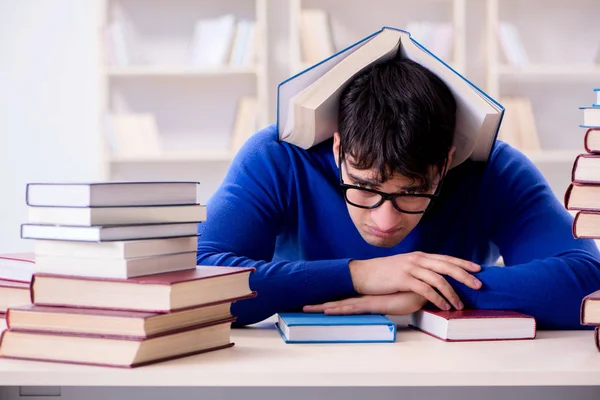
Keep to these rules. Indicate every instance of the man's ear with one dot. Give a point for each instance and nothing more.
(450, 154)
(336, 146)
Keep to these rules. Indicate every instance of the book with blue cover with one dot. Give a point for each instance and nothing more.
(307, 103)
(321, 328)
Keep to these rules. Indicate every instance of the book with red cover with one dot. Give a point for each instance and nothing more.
(18, 267)
(167, 292)
(590, 309)
(474, 325)
(591, 141)
(586, 225)
(597, 337)
(123, 352)
(585, 169)
(13, 293)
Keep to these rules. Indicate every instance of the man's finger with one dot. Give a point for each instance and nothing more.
(464, 264)
(429, 293)
(438, 282)
(449, 269)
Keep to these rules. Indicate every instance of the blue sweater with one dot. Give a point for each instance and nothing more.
(280, 210)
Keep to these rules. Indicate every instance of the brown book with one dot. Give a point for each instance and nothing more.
(586, 225)
(590, 309)
(143, 325)
(18, 267)
(124, 352)
(586, 169)
(591, 140)
(13, 294)
(584, 197)
(166, 292)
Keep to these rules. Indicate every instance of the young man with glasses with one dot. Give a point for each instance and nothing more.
(362, 223)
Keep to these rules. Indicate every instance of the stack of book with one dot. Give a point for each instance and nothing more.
(582, 197)
(116, 281)
(16, 271)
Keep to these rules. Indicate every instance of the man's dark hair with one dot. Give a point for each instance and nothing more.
(398, 117)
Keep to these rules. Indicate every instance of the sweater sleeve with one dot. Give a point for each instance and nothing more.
(245, 216)
(547, 272)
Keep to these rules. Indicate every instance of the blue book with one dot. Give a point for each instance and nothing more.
(321, 328)
(597, 103)
(307, 103)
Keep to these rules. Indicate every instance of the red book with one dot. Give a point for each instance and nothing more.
(586, 225)
(167, 292)
(13, 294)
(17, 267)
(475, 325)
(125, 352)
(591, 140)
(590, 309)
(585, 169)
(597, 337)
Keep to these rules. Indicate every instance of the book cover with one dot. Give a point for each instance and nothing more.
(478, 115)
(321, 328)
(474, 325)
(588, 304)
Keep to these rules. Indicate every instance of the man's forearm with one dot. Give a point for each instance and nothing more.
(285, 286)
(550, 290)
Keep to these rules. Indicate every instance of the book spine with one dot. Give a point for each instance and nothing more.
(597, 337)
(574, 169)
(574, 226)
(568, 195)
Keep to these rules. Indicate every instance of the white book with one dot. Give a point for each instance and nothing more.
(123, 250)
(114, 268)
(107, 233)
(110, 194)
(90, 216)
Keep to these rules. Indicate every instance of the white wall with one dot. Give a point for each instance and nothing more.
(48, 102)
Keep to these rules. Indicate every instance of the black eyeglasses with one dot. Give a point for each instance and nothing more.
(408, 203)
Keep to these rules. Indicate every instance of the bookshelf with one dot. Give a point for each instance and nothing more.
(349, 23)
(556, 72)
(160, 60)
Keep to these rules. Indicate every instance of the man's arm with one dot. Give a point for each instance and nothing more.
(548, 272)
(245, 215)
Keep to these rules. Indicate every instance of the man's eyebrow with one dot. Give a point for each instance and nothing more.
(373, 182)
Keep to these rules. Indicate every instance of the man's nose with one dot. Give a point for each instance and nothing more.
(386, 217)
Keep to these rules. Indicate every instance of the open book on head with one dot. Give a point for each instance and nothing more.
(307, 103)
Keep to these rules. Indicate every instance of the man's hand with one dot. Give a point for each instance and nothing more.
(416, 272)
(391, 304)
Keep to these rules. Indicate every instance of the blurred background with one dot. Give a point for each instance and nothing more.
(168, 90)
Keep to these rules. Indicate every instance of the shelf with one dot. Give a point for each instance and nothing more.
(553, 156)
(170, 71)
(546, 70)
(218, 155)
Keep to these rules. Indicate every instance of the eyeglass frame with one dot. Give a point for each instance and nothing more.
(388, 196)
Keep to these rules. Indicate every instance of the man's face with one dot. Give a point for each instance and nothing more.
(383, 226)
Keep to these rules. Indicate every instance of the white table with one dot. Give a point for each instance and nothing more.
(260, 358)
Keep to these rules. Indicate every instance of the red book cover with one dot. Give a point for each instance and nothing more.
(586, 142)
(594, 296)
(418, 323)
(576, 165)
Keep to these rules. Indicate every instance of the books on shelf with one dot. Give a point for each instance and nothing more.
(137, 299)
(307, 103)
(246, 122)
(474, 325)
(511, 44)
(518, 125)
(321, 328)
(316, 38)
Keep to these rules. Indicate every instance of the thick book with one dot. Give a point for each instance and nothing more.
(590, 309)
(143, 325)
(591, 117)
(111, 194)
(586, 169)
(108, 233)
(124, 352)
(582, 197)
(474, 325)
(107, 268)
(591, 140)
(321, 328)
(307, 103)
(3, 322)
(586, 225)
(168, 292)
(18, 267)
(121, 250)
(92, 216)
(13, 294)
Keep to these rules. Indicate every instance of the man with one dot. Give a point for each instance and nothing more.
(376, 221)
